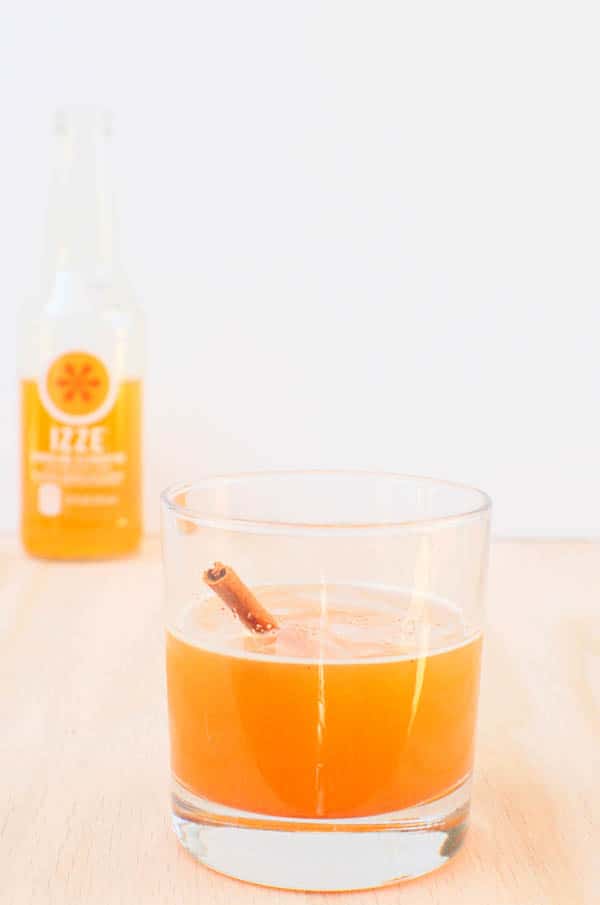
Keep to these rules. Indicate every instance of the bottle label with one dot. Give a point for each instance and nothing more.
(81, 441)
(77, 389)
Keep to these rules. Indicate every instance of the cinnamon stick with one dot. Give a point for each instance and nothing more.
(225, 582)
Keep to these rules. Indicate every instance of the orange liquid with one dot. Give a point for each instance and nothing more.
(99, 510)
(353, 735)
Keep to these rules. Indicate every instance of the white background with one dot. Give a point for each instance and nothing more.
(365, 234)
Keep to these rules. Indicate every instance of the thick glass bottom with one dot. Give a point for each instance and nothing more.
(322, 855)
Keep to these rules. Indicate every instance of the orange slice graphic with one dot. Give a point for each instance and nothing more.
(77, 383)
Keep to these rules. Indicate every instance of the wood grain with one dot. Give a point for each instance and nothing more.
(84, 809)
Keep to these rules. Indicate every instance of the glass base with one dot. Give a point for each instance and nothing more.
(322, 855)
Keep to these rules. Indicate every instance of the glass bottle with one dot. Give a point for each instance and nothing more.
(81, 358)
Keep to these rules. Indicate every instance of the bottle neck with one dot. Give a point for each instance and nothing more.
(82, 228)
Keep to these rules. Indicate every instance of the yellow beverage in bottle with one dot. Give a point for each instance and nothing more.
(81, 361)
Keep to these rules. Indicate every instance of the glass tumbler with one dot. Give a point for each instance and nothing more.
(323, 635)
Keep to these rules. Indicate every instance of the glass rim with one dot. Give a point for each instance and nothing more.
(194, 514)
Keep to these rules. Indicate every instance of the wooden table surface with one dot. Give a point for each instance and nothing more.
(84, 808)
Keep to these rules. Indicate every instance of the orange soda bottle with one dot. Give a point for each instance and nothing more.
(81, 360)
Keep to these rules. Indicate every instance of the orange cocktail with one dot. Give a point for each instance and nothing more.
(362, 703)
